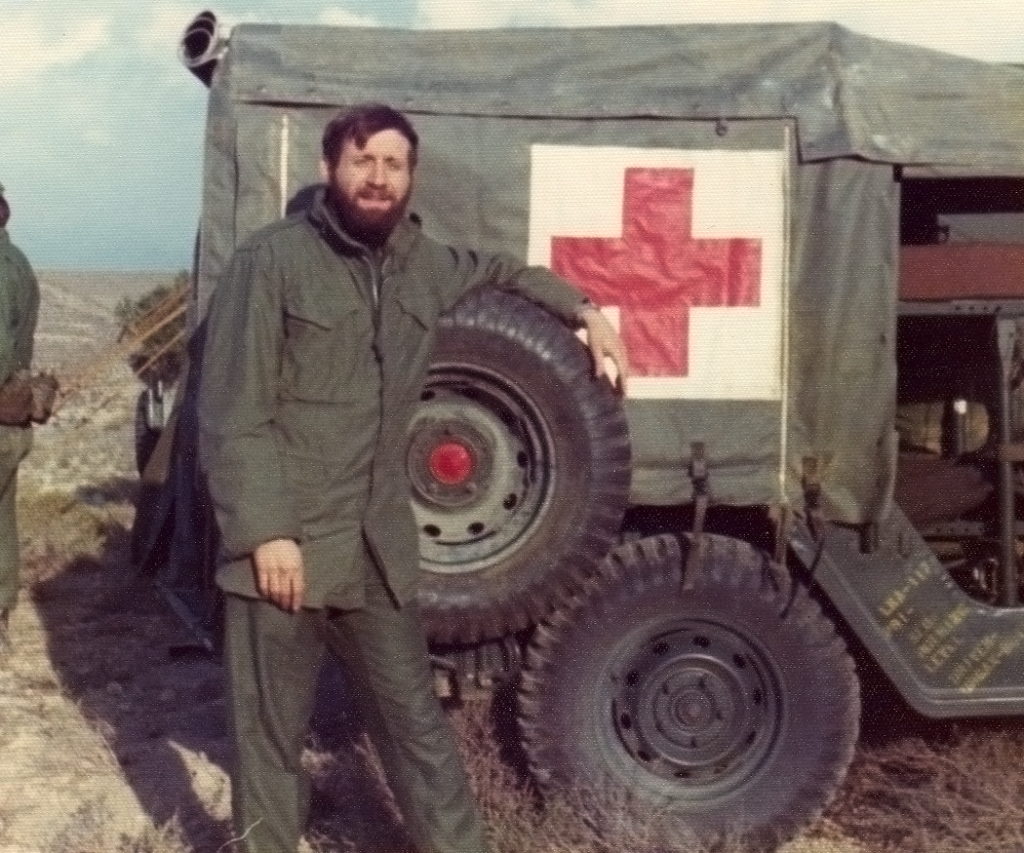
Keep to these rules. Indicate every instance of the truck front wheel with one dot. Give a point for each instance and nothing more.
(727, 702)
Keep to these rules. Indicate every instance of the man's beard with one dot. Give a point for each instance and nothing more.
(370, 227)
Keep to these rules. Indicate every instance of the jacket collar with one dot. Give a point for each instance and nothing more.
(397, 247)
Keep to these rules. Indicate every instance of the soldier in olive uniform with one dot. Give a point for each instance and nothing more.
(19, 307)
(318, 340)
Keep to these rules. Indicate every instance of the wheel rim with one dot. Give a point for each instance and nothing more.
(697, 703)
(481, 467)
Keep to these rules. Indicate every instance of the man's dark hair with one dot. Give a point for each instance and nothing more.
(5, 212)
(359, 123)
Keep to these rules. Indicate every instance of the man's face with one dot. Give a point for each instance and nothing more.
(370, 186)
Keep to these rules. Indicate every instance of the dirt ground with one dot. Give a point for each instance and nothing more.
(103, 733)
(112, 732)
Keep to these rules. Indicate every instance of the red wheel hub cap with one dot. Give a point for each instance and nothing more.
(451, 463)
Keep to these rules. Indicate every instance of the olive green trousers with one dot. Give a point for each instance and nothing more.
(14, 445)
(273, 659)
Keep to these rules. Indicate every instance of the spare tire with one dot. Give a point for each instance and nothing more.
(519, 463)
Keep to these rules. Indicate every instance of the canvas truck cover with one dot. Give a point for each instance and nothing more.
(725, 193)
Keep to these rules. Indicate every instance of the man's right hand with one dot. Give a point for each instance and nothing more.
(280, 577)
(604, 342)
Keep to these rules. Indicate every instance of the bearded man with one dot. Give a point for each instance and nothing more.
(318, 341)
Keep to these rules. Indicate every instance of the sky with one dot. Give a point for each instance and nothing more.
(101, 126)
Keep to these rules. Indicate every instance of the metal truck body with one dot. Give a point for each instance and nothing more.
(808, 238)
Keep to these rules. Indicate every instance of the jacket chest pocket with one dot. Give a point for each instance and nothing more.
(407, 335)
(327, 347)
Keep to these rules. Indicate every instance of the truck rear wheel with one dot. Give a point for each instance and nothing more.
(730, 704)
(519, 465)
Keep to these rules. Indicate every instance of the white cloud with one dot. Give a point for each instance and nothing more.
(335, 16)
(986, 29)
(472, 14)
(992, 30)
(162, 29)
(35, 43)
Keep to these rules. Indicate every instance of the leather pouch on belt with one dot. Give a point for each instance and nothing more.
(27, 397)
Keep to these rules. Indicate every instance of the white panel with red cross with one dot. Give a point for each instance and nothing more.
(683, 249)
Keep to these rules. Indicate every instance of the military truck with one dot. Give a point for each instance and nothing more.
(812, 243)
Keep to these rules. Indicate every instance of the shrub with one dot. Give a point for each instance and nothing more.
(153, 326)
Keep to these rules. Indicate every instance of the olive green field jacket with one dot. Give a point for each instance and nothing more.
(308, 387)
(19, 310)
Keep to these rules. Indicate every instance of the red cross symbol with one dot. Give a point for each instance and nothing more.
(656, 271)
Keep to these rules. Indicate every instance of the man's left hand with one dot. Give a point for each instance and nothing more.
(604, 342)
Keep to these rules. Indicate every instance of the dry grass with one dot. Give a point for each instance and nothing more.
(962, 795)
(94, 695)
(57, 528)
(89, 831)
(576, 822)
(353, 809)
